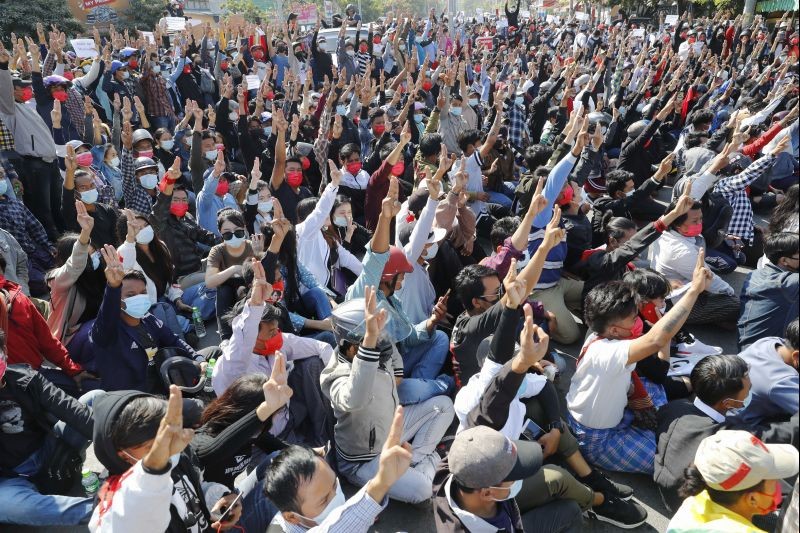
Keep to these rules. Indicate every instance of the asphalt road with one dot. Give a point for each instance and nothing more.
(399, 517)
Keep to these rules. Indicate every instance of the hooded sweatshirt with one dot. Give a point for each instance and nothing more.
(126, 501)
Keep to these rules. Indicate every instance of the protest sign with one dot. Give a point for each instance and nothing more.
(84, 48)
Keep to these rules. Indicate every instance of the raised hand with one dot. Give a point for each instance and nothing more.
(335, 173)
(533, 341)
(84, 219)
(171, 438)
(390, 205)
(70, 160)
(515, 287)
(553, 233)
(374, 320)
(114, 271)
(276, 391)
(538, 202)
(261, 290)
(219, 164)
(702, 276)
(55, 114)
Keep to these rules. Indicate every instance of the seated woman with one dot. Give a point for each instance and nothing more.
(734, 479)
(350, 234)
(611, 412)
(256, 345)
(318, 247)
(282, 267)
(224, 270)
(143, 250)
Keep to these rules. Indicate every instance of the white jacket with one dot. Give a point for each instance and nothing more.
(312, 248)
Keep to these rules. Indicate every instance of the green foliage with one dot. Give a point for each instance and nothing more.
(247, 8)
(21, 16)
(142, 15)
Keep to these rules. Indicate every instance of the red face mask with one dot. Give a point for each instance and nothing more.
(223, 65)
(222, 188)
(398, 168)
(133, 63)
(179, 210)
(379, 129)
(187, 69)
(27, 94)
(650, 313)
(376, 40)
(69, 75)
(84, 160)
(362, 48)
(61, 96)
(566, 196)
(294, 178)
(426, 85)
(693, 230)
(636, 330)
(258, 55)
(270, 95)
(269, 346)
(353, 167)
(277, 292)
(144, 153)
(777, 499)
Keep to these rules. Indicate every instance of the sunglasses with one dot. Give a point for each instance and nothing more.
(228, 235)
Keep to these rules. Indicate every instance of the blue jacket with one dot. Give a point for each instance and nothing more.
(208, 203)
(768, 303)
(120, 358)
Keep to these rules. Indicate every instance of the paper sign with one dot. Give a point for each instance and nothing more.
(84, 47)
(671, 19)
(149, 36)
(638, 32)
(486, 42)
(581, 16)
(175, 24)
(306, 13)
(252, 81)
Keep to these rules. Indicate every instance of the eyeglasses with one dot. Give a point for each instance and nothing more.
(496, 295)
(228, 235)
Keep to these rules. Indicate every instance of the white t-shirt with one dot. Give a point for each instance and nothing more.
(598, 393)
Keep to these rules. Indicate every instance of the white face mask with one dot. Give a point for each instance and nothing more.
(265, 206)
(157, 69)
(211, 155)
(114, 162)
(340, 221)
(336, 502)
(125, 74)
(145, 235)
(351, 53)
(630, 193)
(430, 253)
(515, 488)
(167, 145)
(519, 100)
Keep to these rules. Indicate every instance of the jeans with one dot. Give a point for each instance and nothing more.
(421, 366)
(424, 425)
(503, 197)
(316, 302)
(226, 298)
(22, 503)
(560, 516)
(165, 312)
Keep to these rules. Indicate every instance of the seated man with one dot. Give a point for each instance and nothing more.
(773, 371)
(770, 294)
(30, 340)
(361, 383)
(125, 336)
(610, 411)
(476, 486)
(16, 219)
(27, 401)
(309, 496)
(422, 347)
(722, 384)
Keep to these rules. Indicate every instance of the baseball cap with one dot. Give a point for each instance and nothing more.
(737, 460)
(482, 457)
(435, 235)
(116, 65)
(20, 82)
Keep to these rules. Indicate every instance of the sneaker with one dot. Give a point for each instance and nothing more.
(598, 482)
(625, 515)
(697, 347)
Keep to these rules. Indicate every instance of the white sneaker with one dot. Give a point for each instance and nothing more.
(698, 347)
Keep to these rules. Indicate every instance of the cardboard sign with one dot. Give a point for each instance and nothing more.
(671, 19)
(306, 13)
(84, 48)
(151, 38)
(253, 82)
(175, 24)
(638, 32)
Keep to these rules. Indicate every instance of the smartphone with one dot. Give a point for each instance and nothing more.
(531, 431)
(226, 510)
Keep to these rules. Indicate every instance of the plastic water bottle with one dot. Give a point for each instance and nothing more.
(208, 387)
(90, 482)
(199, 325)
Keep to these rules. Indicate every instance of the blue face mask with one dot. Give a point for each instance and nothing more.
(137, 306)
(3, 186)
(341, 109)
(89, 197)
(149, 181)
(456, 111)
(234, 242)
(268, 131)
(417, 118)
(738, 410)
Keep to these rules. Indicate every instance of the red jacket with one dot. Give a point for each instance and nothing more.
(28, 338)
(752, 149)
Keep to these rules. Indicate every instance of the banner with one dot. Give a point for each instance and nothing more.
(671, 19)
(306, 14)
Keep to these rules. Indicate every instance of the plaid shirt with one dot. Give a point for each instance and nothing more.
(6, 137)
(517, 128)
(154, 87)
(357, 514)
(135, 196)
(16, 219)
(321, 145)
(733, 189)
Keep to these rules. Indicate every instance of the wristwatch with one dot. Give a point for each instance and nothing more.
(558, 424)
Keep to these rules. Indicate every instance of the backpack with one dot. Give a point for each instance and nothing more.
(61, 470)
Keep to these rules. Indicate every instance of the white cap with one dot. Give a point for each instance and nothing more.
(737, 460)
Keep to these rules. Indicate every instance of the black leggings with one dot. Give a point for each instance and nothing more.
(226, 298)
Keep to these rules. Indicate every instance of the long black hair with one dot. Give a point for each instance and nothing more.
(91, 283)
(287, 257)
(162, 258)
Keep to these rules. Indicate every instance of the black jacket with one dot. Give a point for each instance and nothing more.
(640, 154)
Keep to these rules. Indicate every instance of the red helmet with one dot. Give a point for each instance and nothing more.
(397, 263)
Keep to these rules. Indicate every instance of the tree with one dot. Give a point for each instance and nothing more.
(245, 8)
(21, 16)
(142, 15)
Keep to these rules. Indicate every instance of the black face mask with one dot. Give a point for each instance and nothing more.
(301, 56)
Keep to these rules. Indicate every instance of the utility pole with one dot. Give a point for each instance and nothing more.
(749, 12)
